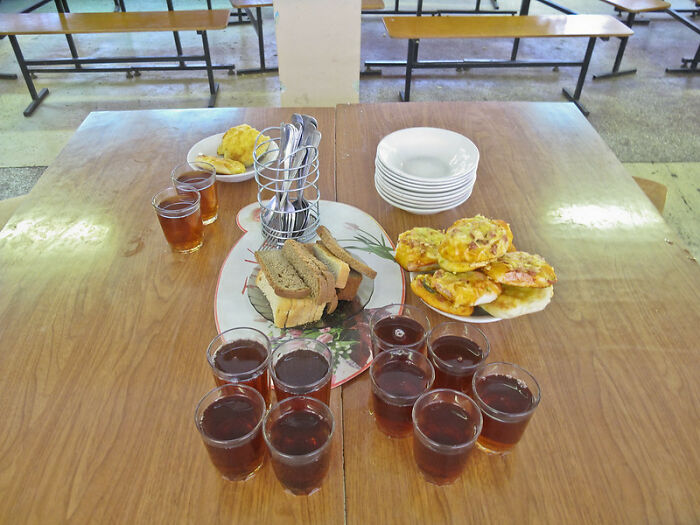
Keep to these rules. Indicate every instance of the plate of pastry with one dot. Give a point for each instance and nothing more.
(472, 271)
(231, 152)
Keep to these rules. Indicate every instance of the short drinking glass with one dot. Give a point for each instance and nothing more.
(229, 419)
(298, 432)
(398, 325)
(399, 376)
(507, 396)
(456, 351)
(241, 355)
(202, 177)
(302, 367)
(180, 217)
(446, 424)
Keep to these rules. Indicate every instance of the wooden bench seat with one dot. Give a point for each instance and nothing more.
(490, 26)
(633, 8)
(19, 24)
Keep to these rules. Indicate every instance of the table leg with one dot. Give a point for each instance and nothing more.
(620, 51)
(213, 87)
(7, 76)
(411, 58)
(690, 65)
(36, 97)
(581, 78)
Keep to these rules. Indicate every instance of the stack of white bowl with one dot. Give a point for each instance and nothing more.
(425, 170)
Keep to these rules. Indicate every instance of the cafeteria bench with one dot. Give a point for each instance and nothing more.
(16, 24)
(489, 26)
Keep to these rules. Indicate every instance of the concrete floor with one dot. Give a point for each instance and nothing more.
(650, 120)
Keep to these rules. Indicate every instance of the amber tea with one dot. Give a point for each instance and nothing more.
(302, 367)
(180, 218)
(202, 177)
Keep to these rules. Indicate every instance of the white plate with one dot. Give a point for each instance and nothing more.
(210, 145)
(346, 337)
(413, 209)
(479, 316)
(428, 154)
(442, 187)
(421, 202)
(418, 194)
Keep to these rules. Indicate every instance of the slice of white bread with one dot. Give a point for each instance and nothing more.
(341, 253)
(288, 312)
(281, 275)
(337, 267)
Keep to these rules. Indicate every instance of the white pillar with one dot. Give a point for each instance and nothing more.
(318, 51)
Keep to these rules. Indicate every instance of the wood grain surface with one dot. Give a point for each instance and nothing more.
(104, 332)
(133, 21)
(496, 26)
(616, 352)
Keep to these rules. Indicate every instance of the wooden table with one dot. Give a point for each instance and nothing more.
(104, 332)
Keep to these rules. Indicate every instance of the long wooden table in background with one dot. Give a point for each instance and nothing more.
(104, 330)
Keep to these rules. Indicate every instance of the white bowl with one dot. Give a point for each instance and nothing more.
(421, 200)
(417, 210)
(415, 187)
(428, 154)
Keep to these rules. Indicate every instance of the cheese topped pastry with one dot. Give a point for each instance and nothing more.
(515, 301)
(521, 269)
(468, 288)
(472, 243)
(238, 143)
(417, 249)
(421, 286)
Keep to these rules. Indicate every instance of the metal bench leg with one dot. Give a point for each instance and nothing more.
(176, 35)
(213, 87)
(524, 9)
(581, 78)
(690, 65)
(7, 76)
(411, 58)
(62, 7)
(36, 98)
(618, 58)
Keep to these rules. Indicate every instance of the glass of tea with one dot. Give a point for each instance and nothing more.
(202, 177)
(298, 432)
(398, 325)
(456, 350)
(229, 418)
(507, 396)
(302, 367)
(180, 217)
(446, 424)
(241, 355)
(399, 376)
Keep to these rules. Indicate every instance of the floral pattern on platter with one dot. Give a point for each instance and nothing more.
(346, 331)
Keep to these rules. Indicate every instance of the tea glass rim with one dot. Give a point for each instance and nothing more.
(401, 400)
(447, 367)
(242, 376)
(443, 447)
(298, 458)
(373, 321)
(184, 212)
(209, 167)
(301, 390)
(499, 414)
(241, 439)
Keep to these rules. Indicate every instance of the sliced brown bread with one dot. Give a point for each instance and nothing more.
(338, 268)
(341, 253)
(350, 291)
(306, 266)
(281, 275)
(288, 312)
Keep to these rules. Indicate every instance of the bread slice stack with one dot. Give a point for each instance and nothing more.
(303, 281)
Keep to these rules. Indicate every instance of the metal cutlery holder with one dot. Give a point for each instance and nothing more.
(288, 196)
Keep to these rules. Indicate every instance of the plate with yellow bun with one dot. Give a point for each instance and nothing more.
(231, 152)
(472, 271)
